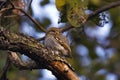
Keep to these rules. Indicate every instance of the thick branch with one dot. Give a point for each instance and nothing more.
(14, 59)
(64, 70)
(37, 52)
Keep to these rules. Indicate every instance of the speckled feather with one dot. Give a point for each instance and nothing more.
(57, 42)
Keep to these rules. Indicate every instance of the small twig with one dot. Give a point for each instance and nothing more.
(107, 7)
(2, 3)
(30, 4)
(34, 21)
(4, 9)
(66, 28)
(104, 8)
(10, 16)
(11, 3)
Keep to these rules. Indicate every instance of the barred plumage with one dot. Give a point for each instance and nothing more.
(57, 42)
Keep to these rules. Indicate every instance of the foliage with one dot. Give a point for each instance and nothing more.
(87, 61)
(72, 11)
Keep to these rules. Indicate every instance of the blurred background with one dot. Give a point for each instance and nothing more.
(95, 46)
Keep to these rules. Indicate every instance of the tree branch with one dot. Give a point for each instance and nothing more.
(20, 9)
(104, 8)
(29, 65)
(34, 21)
(107, 7)
(37, 52)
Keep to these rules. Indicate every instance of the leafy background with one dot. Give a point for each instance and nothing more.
(95, 49)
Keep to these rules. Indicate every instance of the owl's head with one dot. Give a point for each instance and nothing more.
(54, 30)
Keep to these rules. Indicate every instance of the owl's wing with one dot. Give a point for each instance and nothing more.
(58, 43)
(64, 42)
(50, 42)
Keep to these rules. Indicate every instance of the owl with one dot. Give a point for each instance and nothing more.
(57, 42)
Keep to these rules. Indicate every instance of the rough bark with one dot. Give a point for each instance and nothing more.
(37, 52)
